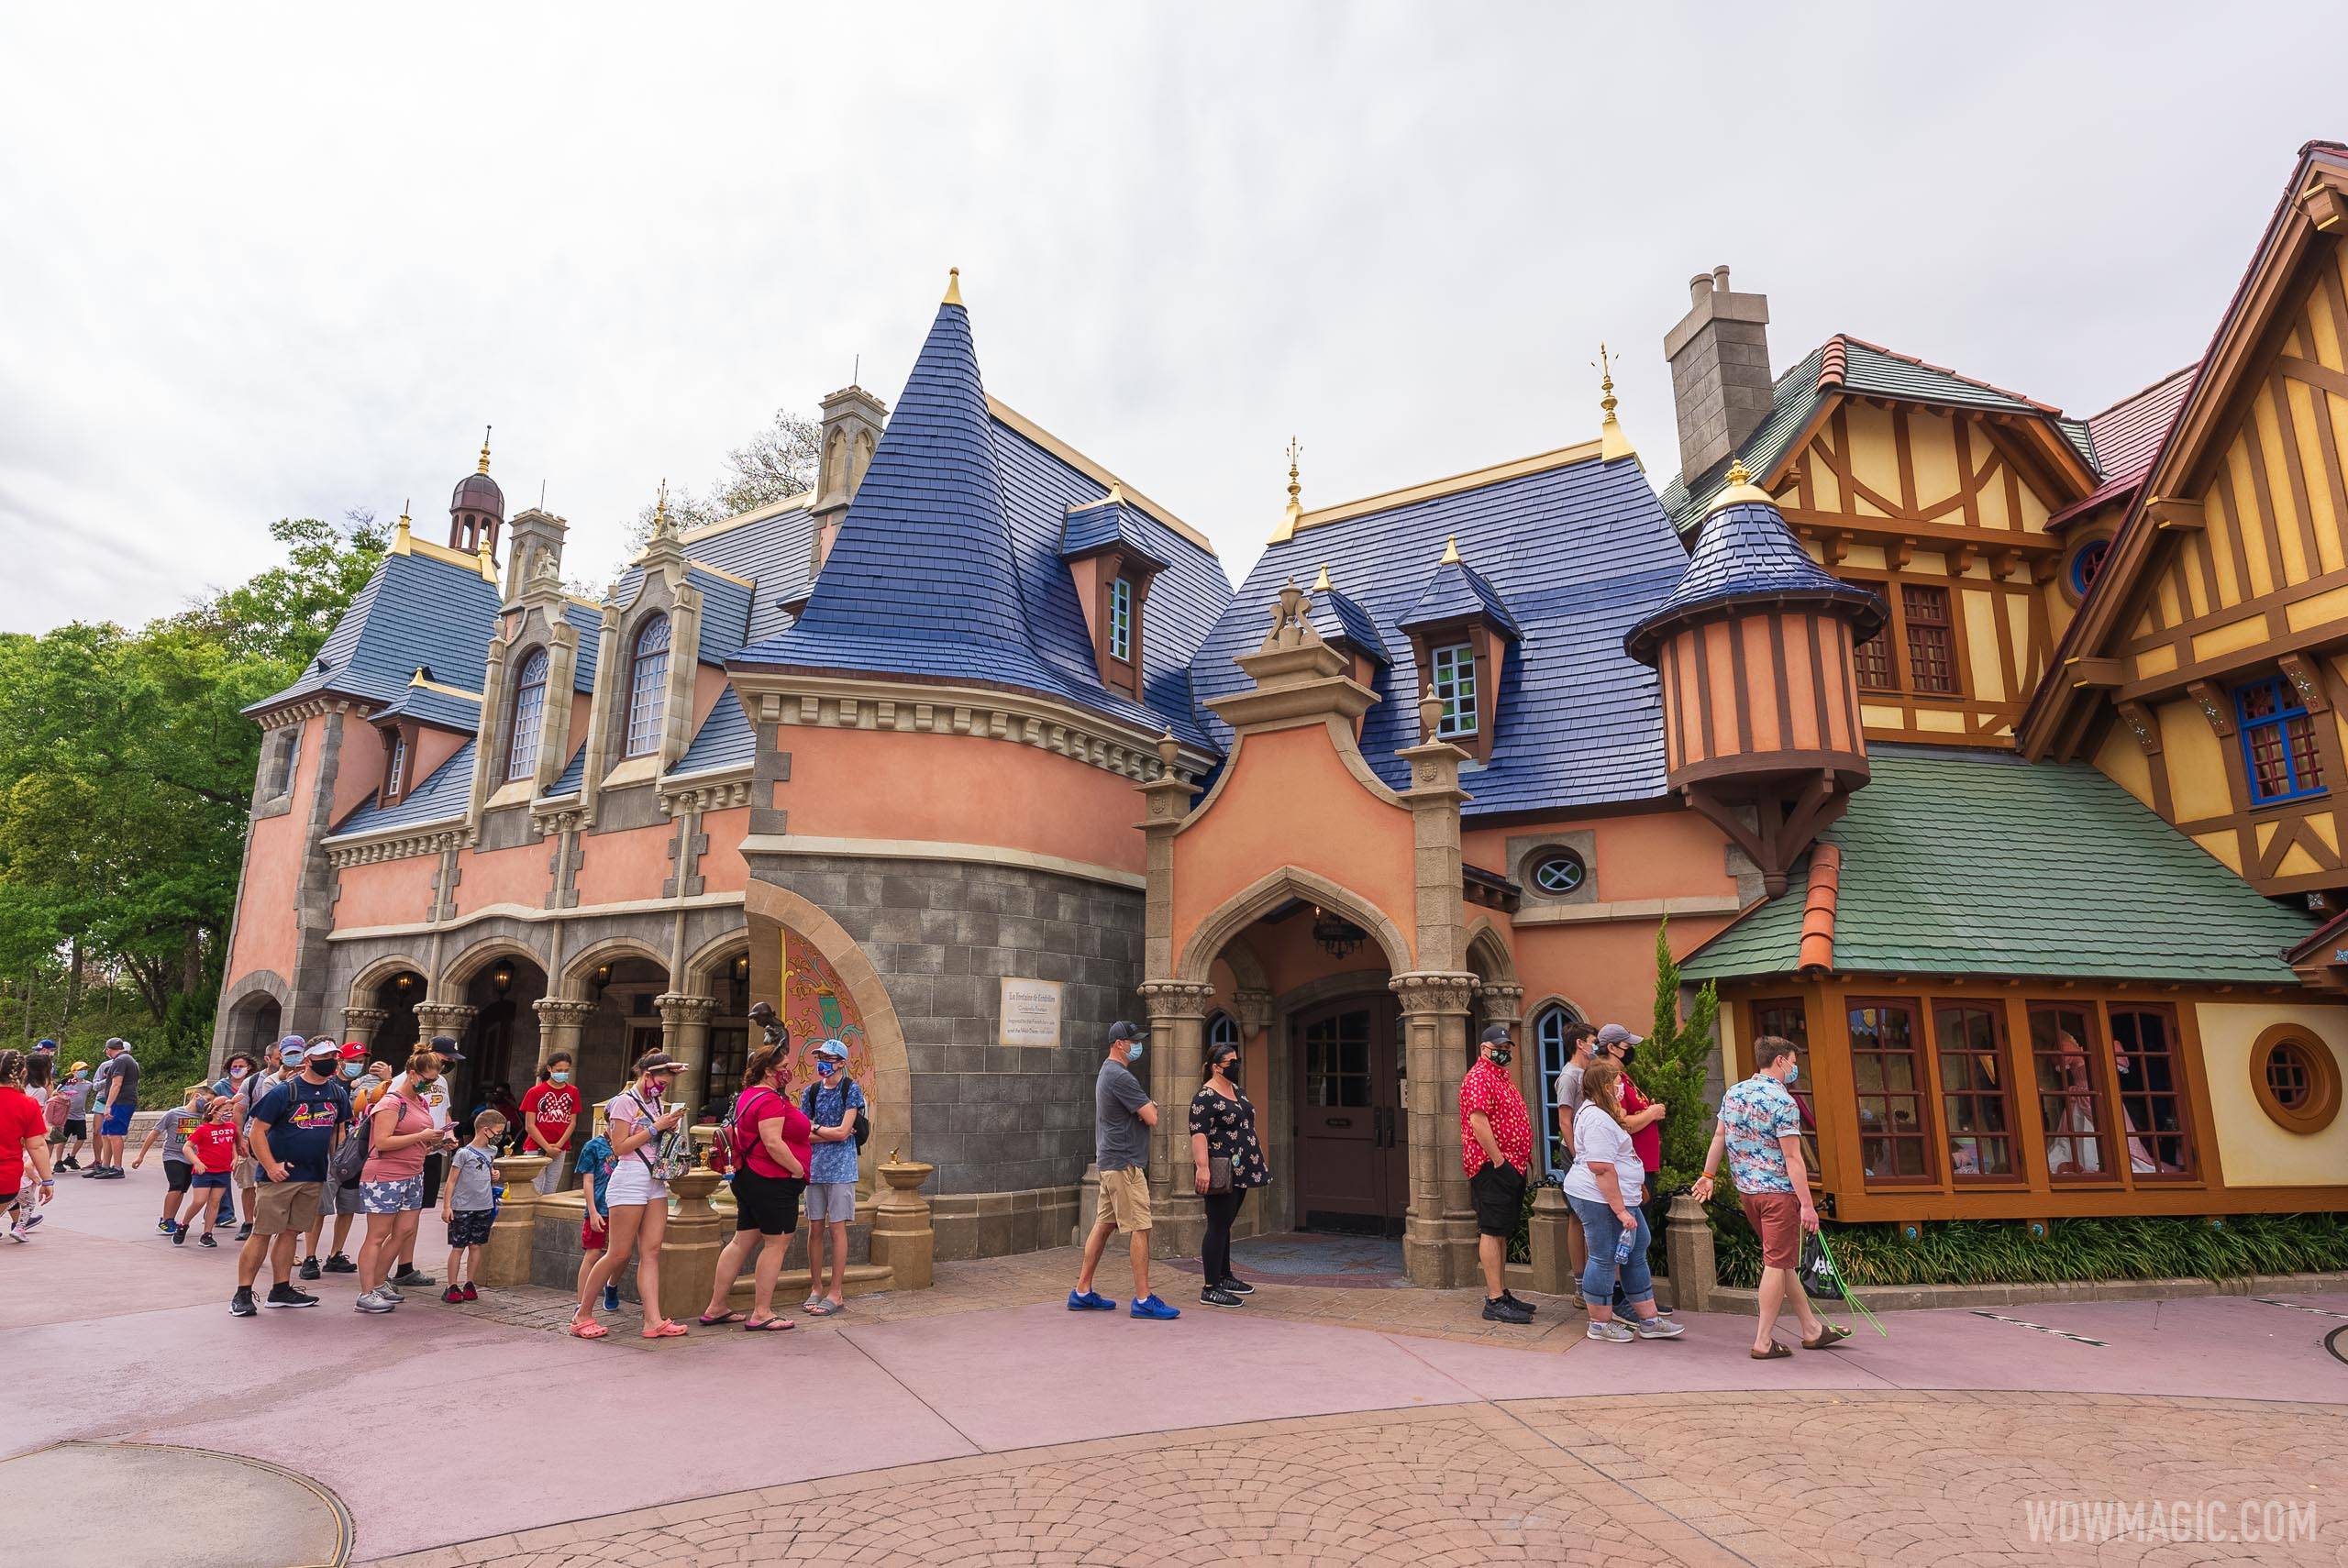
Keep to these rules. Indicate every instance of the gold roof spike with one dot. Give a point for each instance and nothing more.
(402, 540)
(1450, 549)
(484, 448)
(1611, 442)
(1285, 529)
(1741, 488)
(661, 527)
(953, 286)
(1321, 584)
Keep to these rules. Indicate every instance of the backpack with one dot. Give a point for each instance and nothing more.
(863, 1122)
(730, 1151)
(669, 1154)
(350, 1161)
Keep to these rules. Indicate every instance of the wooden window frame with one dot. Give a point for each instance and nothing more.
(2323, 1079)
(2097, 1050)
(1894, 639)
(1547, 1034)
(1453, 664)
(2289, 707)
(1909, 624)
(2000, 1056)
(1926, 1094)
(1121, 620)
(2180, 1090)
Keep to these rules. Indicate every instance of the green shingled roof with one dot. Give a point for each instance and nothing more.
(1981, 864)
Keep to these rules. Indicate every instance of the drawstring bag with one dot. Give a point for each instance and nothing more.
(1817, 1270)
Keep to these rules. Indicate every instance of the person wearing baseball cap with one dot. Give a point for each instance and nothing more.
(338, 1199)
(291, 1134)
(1495, 1148)
(1122, 1116)
(436, 1162)
(113, 1097)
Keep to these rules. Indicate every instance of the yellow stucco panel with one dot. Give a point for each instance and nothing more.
(2124, 763)
(2297, 862)
(2156, 661)
(2253, 1150)
(1983, 644)
(2197, 765)
(2230, 637)
(2222, 848)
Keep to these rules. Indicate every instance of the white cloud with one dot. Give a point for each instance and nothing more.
(289, 261)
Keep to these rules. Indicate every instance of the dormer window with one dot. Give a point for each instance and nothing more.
(1121, 620)
(2277, 742)
(528, 712)
(395, 768)
(1454, 675)
(648, 687)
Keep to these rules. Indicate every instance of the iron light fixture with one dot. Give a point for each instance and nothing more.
(1339, 938)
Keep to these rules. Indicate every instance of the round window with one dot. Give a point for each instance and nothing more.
(1559, 871)
(2086, 565)
(2296, 1078)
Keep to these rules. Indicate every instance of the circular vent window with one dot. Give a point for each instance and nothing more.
(1559, 871)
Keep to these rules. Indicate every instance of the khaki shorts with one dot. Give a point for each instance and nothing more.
(281, 1206)
(1125, 1199)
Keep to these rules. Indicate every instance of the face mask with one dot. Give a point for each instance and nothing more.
(825, 1067)
(1793, 1072)
(351, 1069)
(233, 1072)
(1501, 1056)
(659, 1087)
(1133, 1051)
(1231, 1068)
(558, 1078)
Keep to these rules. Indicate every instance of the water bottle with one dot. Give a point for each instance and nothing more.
(1623, 1250)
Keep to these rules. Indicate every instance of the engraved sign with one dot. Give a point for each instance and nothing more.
(1029, 1013)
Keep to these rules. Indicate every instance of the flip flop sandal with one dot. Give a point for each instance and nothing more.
(824, 1309)
(810, 1304)
(1827, 1335)
(589, 1332)
(766, 1325)
(706, 1321)
(1774, 1352)
(666, 1330)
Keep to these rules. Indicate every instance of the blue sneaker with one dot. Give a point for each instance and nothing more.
(610, 1298)
(1090, 1301)
(1151, 1307)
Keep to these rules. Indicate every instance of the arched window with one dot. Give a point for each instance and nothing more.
(529, 708)
(648, 687)
(1222, 1030)
(1549, 1042)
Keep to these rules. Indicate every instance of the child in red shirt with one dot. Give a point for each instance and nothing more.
(211, 1150)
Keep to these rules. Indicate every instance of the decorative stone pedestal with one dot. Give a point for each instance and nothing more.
(689, 1251)
(1687, 1250)
(1552, 1267)
(902, 1241)
(506, 1259)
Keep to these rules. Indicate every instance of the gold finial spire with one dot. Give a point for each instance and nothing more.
(953, 286)
(661, 527)
(1737, 473)
(1741, 488)
(1286, 529)
(1451, 550)
(1321, 584)
(1611, 442)
(402, 540)
(484, 448)
(1116, 496)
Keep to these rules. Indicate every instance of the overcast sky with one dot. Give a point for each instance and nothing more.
(263, 263)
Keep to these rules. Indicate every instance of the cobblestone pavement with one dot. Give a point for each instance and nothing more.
(1769, 1479)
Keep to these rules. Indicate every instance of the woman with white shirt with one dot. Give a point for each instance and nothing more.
(1604, 1189)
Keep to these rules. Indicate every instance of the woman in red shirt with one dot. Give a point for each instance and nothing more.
(24, 1135)
(1643, 1119)
(776, 1139)
(549, 1111)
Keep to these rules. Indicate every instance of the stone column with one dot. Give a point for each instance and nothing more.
(435, 1018)
(506, 1259)
(689, 1249)
(1178, 1019)
(560, 1020)
(1687, 1250)
(1551, 1270)
(1497, 1002)
(1439, 1230)
(684, 1034)
(902, 1236)
(359, 1024)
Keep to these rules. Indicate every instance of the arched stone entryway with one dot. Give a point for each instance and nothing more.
(381, 1014)
(252, 1017)
(610, 1006)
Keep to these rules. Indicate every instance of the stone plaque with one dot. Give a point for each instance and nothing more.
(1029, 1012)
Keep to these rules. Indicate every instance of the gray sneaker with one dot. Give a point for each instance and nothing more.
(373, 1301)
(1609, 1329)
(389, 1292)
(1659, 1328)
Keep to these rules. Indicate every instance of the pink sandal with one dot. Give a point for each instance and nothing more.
(580, 1330)
(667, 1329)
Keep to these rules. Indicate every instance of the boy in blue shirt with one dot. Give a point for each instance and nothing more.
(831, 1104)
(596, 1166)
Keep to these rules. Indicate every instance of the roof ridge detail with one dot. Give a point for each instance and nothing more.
(2142, 393)
(1833, 370)
(1451, 484)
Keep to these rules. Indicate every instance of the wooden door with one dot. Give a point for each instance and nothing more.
(1352, 1164)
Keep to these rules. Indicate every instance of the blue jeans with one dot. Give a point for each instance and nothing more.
(1603, 1231)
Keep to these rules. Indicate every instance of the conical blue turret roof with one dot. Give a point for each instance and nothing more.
(1746, 555)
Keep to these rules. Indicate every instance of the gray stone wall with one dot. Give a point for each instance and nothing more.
(992, 1118)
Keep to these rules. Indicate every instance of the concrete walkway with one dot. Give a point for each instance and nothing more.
(114, 1335)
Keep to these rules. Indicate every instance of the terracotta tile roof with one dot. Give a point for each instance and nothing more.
(1817, 950)
(2128, 437)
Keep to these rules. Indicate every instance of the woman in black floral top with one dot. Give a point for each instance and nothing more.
(1222, 1127)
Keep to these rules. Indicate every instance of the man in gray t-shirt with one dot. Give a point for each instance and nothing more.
(1123, 1117)
(1570, 1101)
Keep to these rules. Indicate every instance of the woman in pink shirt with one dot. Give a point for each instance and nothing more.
(776, 1139)
(391, 1187)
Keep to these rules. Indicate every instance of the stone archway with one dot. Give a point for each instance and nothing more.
(251, 1013)
(889, 1081)
(1268, 892)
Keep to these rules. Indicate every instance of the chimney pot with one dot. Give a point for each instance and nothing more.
(1720, 278)
(1699, 288)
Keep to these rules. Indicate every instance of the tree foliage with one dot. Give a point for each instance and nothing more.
(1670, 1066)
(775, 464)
(126, 770)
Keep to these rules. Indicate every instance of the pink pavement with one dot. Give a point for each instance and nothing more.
(637, 1426)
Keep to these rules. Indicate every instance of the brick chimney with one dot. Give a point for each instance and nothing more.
(1720, 369)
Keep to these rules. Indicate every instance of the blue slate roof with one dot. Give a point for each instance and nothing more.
(588, 622)
(725, 609)
(441, 797)
(1335, 615)
(725, 739)
(1458, 591)
(1747, 555)
(1577, 552)
(773, 549)
(428, 706)
(949, 566)
(1103, 525)
(568, 781)
(416, 610)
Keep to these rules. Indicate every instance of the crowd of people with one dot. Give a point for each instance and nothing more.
(319, 1132)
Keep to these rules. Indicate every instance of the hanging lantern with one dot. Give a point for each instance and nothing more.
(1339, 938)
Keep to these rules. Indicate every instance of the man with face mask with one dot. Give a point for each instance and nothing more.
(1123, 1115)
(1496, 1145)
(292, 1131)
(1760, 1129)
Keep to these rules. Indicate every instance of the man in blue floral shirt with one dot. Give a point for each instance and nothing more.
(1760, 1130)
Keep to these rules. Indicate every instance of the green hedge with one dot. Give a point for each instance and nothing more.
(1984, 1252)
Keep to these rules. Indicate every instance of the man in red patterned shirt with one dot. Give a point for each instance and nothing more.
(1496, 1145)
